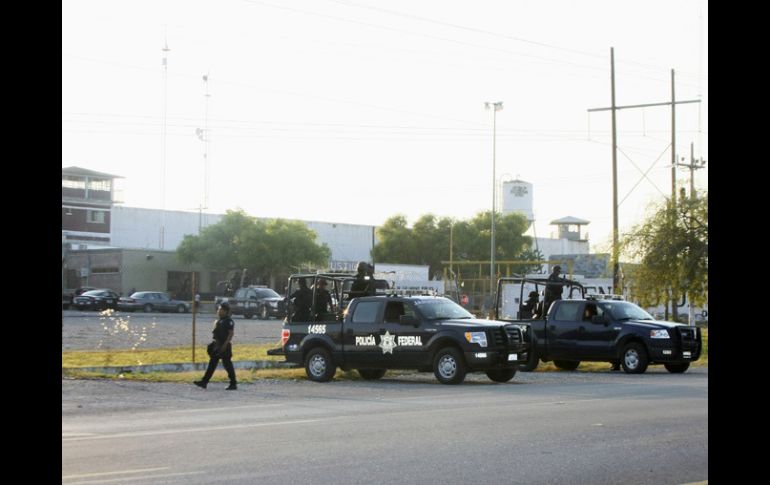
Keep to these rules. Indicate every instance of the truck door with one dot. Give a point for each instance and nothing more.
(361, 335)
(408, 339)
(564, 329)
(597, 340)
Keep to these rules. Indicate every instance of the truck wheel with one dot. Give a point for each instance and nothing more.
(532, 363)
(566, 364)
(319, 366)
(448, 366)
(263, 315)
(634, 359)
(371, 374)
(501, 375)
(677, 368)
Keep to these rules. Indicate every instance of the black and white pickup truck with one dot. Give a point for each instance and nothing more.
(424, 333)
(599, 330)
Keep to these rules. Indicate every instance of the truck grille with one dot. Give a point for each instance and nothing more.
(506, 336)
(689, 336)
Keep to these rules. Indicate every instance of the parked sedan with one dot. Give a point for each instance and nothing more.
(152, 301)
(96, 300)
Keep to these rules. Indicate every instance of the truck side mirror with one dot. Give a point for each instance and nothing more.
(599, 319)
(408, 320)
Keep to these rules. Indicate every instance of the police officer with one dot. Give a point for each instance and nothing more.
(363, 285)
(222, 348)
(302, 299)
(554, 288)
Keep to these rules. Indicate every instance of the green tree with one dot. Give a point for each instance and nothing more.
(266, 248)
(427, 241)
(671, 249)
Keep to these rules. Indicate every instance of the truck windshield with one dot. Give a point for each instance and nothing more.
(441, 309)
(623, 310)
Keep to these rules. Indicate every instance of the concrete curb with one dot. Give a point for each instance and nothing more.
(181, 367)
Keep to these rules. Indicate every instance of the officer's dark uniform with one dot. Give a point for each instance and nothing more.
(221, 331)
(303, 301)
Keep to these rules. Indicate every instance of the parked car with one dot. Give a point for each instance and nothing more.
(69, 294)
(100, 299)
(152, 301)
(257, 300)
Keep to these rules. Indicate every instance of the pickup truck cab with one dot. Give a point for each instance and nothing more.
(382, 332)
(602, 330)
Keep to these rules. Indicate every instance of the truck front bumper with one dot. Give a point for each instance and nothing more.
(483, 359)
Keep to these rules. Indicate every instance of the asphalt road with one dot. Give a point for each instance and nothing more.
(562, 427)
(121, 330)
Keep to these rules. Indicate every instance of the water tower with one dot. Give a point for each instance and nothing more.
(517, 197)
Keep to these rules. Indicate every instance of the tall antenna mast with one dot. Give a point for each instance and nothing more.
(163, 154)
(206, 137)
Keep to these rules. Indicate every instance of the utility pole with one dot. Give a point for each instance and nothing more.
(614, 108)
(673, 143)
(163, 154)
(693, 166)
(495, 108)
(206, 165)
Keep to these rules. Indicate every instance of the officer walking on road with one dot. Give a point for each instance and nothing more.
(224, 330)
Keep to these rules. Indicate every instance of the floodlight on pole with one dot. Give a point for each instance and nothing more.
(496, 106)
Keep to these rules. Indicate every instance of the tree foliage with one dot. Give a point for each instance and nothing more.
(671, 249)
(266, 248)
(427, 241)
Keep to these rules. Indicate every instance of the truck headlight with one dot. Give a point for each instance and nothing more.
(477, 337)
(659, 334)
(274, 304)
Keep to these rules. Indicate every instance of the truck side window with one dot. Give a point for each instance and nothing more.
(589, 311)
(366, 312)
(393, 310)
(568, 311)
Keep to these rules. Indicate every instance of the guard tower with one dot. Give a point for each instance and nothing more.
(569, 228)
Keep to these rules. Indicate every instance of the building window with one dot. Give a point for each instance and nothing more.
(96, 217)
(97, 184)
(73, 182)
(104, 270)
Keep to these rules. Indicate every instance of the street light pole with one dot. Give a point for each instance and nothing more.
(495, 108)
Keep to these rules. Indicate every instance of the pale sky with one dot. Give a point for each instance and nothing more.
(354, 111)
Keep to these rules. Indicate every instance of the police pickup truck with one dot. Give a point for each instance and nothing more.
(597, 329)
(382, 332)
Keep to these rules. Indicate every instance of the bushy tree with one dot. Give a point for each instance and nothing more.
(267, 248)
(671, 249)
(427, 241)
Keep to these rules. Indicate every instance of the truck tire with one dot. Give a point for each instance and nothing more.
(677, 368)
(371, 374)
(533, 361)
(319, 365)
(449, 366)
(263, 314)
(501, 375)
(566, 364)
(634, 358)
